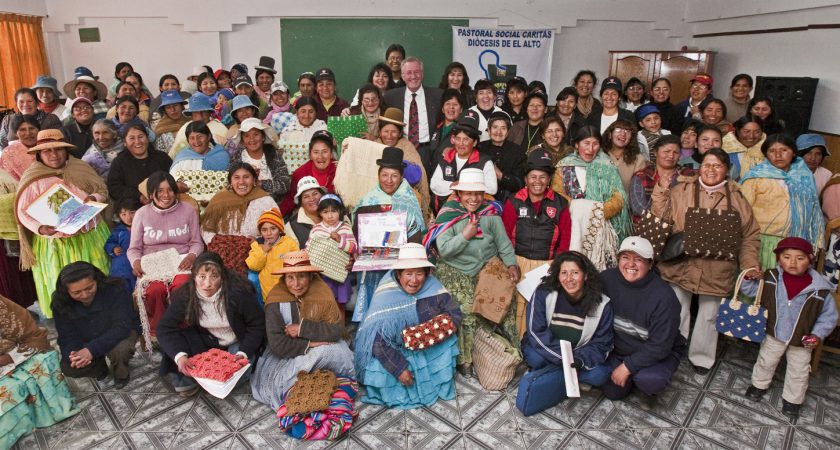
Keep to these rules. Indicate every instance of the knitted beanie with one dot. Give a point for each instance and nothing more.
(271, 216)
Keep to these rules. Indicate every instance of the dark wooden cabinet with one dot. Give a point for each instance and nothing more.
(679, 67)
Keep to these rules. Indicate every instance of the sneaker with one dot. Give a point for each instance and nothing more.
(190, 391)
(753, 393)
(120, 383)
(584, 387)
(700, 370)
(790, 410)
(647, 401)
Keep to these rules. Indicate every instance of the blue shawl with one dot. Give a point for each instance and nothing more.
(391, 311)
(215, 159)
(806, 219)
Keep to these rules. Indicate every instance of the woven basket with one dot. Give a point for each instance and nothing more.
(495, 360)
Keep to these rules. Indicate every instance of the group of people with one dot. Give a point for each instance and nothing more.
(214, 190)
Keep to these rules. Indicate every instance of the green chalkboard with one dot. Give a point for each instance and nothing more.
(352, 46)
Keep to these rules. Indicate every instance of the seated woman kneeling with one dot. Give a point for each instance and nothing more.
(216, 308)
(569, 305)
(393, 375)
(304, 331)
(94, 319)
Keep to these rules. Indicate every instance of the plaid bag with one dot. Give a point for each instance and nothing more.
(739, 319)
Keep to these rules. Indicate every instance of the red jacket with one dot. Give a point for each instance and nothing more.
(324, 178)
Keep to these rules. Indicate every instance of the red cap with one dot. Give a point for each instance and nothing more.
(703, 78)
(795, 243)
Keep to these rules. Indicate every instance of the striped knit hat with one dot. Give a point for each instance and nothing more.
(271, 216)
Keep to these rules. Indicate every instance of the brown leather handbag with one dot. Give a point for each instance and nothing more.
(710, 232)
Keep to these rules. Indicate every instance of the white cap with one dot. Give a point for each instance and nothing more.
(637, 245)
(470, 180)
(251, 123)
(306, 183)
(412, 256)
(279, 86)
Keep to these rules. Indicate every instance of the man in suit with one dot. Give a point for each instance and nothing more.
(420, 105)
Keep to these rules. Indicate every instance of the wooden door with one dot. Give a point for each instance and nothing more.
(680, 67)
(626, 65)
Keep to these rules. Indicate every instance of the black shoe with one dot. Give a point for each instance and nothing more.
(120, 383)
(790, 410)
(700, 370)
(753, 393)
(102, 375)
(646, 401)
(465, 370)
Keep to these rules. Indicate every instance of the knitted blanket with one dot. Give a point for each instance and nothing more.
(159, 266)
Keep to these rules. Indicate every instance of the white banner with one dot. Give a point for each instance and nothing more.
(500, 54)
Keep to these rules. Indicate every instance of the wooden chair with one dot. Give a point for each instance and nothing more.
(830, 227)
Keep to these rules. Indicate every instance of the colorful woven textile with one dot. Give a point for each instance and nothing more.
(330, 423)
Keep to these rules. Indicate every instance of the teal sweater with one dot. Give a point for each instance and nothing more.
(469, 256)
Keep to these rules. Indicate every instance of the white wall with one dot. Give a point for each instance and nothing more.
(811, 53)
(160, 36)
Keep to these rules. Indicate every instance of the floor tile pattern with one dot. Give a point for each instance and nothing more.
(695, 412)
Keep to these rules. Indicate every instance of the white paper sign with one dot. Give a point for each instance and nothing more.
(531, 281)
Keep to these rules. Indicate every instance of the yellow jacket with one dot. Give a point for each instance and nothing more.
(267, 263)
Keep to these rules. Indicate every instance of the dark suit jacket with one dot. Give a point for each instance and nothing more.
(395, 98)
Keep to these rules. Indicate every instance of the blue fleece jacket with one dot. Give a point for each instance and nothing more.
(646, 321)
(596, 340)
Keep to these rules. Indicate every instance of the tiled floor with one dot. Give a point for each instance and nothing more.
(695, 412)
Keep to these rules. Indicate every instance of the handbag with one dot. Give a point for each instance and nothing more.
(655, 230)
(494, 359)
(493, 291)
(540, 389)
(739, 319)
(429, 333)
(674, 248)
(325, 253)
(712, 233)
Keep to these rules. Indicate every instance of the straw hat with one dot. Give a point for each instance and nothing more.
(101, 89)
(393, 116)
(298, 261)
(51, 138)
(470, 180)
(412, 256)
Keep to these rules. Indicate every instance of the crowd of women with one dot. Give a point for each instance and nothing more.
(214, 189)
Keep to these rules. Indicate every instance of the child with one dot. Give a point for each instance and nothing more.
(117, 244)
(801, 313)
(332, 226)
(266, 252)
(650, 122)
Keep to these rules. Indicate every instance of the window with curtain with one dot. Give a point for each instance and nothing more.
(23, 55)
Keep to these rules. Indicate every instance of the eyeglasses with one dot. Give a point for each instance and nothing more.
(621, 130)
(712, 166)
(635, 88)
(83, 108)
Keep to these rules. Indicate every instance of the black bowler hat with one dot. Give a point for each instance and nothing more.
(392, 158)
(266, 64)
(468, 123)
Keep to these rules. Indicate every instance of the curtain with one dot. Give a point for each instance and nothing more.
(23, 55)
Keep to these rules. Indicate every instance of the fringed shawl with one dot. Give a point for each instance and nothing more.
(806, 219)
(228, 208)
(76, 173)
(602, 182)
(317, 304)
(216, 157)
(391, 311)
(18, 331)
